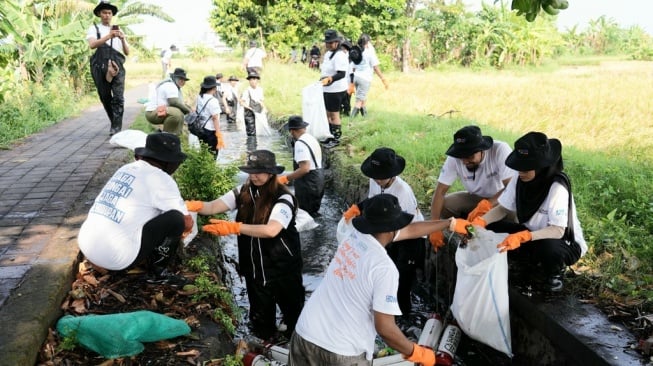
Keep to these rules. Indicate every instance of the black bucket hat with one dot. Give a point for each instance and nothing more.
(294, 123)
(209, 82)
(253, 75)
(105, 4)
(467, 141)
(381, 213)
(384, 163)
(331, 35)
(162, 146)
(261, 161)
(534, 151)
(233, 78)
(179, 73)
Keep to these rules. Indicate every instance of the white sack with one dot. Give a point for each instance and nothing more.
(193, 232)
(480, 301)
(304, 221)
(130, 139)
(314, 112)
(261, 123)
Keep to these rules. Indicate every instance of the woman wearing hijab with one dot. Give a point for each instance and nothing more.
(548, 231)
(269, 250)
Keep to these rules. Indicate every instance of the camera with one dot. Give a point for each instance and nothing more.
(115, 27)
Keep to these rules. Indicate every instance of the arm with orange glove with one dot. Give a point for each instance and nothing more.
(220, 145)
(514, 241)
(422, 355)
(351, 212)
(222, 227)
(194, 206)
(481, 209)
(436, 239)
(283, 179)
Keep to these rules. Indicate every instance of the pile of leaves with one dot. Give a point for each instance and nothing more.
(205, 305)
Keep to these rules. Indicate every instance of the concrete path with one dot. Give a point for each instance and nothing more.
(43, 201)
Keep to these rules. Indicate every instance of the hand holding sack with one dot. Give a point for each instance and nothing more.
(514, 241)
(326, 80)
(194, 206)
(282, 179)
(481, 209)
(222, 227)
(479, 221)
(459, 226)
(437, 240)
(188, 225)
(422, 355)
(351, 212)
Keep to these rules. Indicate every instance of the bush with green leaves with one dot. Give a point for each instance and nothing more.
(199, 178)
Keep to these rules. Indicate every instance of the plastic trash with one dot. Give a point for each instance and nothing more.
(120, 335)
(130, 139)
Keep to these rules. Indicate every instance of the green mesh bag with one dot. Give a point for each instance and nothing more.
(120, 335)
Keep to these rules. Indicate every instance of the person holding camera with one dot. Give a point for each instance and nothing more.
(107, 69)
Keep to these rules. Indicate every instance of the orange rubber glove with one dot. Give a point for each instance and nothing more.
(222, 227)
(194, 206)
(352, 212)
(351, 89)
(481, 209)
(437, 240)
(479, 221)
(514, 241)
(422, 355)
(283, 179)
(218, 135)
(326, 80)
(459, 226)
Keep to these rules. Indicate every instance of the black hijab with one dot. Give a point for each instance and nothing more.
(531, 195)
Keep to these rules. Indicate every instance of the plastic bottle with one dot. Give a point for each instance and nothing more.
(431, 332)
(448, 345)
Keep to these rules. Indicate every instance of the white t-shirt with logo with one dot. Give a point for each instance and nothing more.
(330, 66)
(281, 213)
(111, 234)
(361, 279)
(302, 153)
(552, 212)
(404, 194)
(488, 178)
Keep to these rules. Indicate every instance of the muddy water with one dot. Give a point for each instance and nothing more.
(318, 246)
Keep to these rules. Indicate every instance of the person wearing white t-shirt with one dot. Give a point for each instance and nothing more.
(166, 59)
(107, 63)
(333, 72)
(209, 110)
(269, 248)
(364, 73)
(253, 59)
(357, 298)
(166, 106)
(308, 176)
(231, 94)
(252, 102)
(139, 216)
(547, 230)
(479, 162)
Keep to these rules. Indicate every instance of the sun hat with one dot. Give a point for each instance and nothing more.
(381, 213)
(261, 161)
(179, 73)
(105, 4)
(253, 75)
(467, 141)
(173, 47)
(209, 82)
(252, 43)
(384, 163)
(331, 35)
(163, 146)
(233, 78)
(534, 151)
(295, 123)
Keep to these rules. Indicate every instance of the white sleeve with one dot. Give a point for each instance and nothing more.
(448, 172)
(281, 212)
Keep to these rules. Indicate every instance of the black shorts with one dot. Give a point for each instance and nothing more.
(333, 101)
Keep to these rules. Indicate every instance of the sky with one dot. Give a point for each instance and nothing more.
(192, 26)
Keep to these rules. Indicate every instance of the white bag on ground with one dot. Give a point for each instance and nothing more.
(130, 139)
(480, 301)
(314, 112)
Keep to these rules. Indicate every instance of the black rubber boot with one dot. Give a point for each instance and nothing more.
(354, 112)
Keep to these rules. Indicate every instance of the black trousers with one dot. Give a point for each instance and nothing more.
(211, 140)
(160, 239)
(112, 95)
(287, 292)
(552, 254)
(309, 191)
(408, 255)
